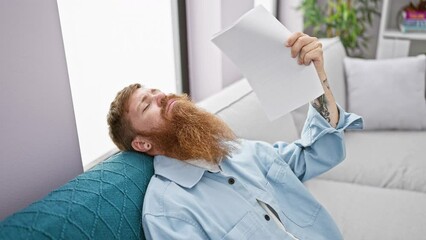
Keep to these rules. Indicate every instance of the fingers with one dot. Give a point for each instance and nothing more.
(292, 39)
(310, 52)
(314, 55)
(296, 41)
(305, 47)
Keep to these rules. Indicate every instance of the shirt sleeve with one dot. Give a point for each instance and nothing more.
(321, 147)
(163, 227)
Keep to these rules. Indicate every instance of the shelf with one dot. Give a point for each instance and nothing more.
(392, 42)
(394, 33)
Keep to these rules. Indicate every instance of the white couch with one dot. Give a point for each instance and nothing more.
(378, 192)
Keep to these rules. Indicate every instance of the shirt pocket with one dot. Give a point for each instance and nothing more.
(277, 171)
(295, 201)
(247, 228)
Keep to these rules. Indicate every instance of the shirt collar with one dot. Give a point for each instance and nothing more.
(209, 166)
(180, 172)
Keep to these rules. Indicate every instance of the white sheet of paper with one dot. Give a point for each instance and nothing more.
(256, 44)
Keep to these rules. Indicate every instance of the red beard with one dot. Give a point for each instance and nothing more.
(192, 133)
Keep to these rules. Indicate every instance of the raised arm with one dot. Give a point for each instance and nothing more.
(308, 49)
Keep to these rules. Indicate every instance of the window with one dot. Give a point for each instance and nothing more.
(110, 44)
(270, 5)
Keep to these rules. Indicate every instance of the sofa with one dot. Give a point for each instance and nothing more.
(104, 202)
(378, 192)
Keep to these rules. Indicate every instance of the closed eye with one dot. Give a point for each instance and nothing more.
(146, 107)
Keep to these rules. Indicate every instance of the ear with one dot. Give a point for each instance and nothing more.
(140, 144)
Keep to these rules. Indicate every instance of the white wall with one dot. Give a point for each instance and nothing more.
(209, 70)
(110, 44)
(290, 16)
(203, 20)
(38, 138)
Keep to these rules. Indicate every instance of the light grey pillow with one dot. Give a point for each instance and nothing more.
(239, 107)
(388, 93)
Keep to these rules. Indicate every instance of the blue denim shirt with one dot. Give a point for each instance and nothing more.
(184, 201)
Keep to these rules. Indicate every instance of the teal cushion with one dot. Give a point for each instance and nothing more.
(102, 203)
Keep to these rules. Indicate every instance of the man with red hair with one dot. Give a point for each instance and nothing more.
(210, 185)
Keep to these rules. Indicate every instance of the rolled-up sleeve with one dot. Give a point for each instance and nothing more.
(321, 146)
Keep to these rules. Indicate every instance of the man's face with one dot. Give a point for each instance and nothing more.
(145, 107)
(152, 116)
(172, 125)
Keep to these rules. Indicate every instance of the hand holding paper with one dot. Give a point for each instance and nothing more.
(256, 44)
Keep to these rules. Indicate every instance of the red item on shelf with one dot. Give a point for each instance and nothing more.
(414, 14)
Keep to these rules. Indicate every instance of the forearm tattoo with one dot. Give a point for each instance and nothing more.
(325, 82)
(320, 104)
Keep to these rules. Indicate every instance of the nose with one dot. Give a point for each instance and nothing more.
(158, 97)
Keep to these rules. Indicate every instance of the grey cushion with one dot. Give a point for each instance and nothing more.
(364, 212)
(388, 93)
(239, 107)
(388, 159)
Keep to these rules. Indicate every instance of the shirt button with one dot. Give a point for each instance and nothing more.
(267, 217)
(231, 181)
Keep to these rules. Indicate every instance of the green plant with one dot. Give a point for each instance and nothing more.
(347, 19)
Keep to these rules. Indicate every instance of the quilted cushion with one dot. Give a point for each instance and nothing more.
(102, 203)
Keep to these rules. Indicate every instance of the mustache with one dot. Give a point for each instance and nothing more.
(189, 132)
(176, 97)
